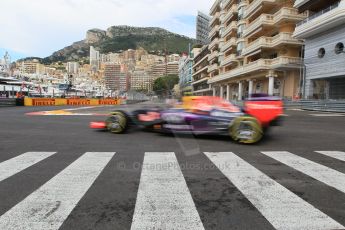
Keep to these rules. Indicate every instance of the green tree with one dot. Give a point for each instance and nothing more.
(164, 85)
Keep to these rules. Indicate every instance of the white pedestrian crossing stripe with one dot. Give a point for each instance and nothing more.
(327, 115)
(334, 154)
(319, 172)
(164, 201)
(15, 165)
(163, 198)
(49, 206)
(282, 208)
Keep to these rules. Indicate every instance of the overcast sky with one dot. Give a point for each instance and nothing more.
(40, 27)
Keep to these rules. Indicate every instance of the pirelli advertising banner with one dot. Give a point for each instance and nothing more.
(71, 102)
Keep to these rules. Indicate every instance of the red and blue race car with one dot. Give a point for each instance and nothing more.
(202, 115)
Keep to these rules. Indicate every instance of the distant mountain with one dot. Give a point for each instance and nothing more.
(118, 38)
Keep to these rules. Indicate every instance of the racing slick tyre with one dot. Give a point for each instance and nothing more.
(117, 122)
(246, 130)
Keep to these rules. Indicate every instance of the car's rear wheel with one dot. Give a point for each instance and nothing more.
(246, 130)
(117, 122)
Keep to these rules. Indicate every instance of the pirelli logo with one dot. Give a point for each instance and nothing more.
(43, 102)
(78, 102)
(108, 102)
(70, 102)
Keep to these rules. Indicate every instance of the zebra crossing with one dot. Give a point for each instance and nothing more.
(164, 200)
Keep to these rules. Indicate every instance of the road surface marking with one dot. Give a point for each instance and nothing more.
(62, 113)
(334, 154)
(164, 200)
(295, 110)
(49, 206)
(319, 172)
(327, 115)
(282, 208)
(15, 165)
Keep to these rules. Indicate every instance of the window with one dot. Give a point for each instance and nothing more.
(339, 48)
(321, 52)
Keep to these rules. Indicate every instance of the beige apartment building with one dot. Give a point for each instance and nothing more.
(252, 48)
(200, 73)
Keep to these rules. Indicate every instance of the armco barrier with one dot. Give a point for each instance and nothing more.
(71, 102)
(4, 102)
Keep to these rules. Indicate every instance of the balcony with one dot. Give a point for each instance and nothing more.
(289, 14)
(213, 44)
(214, 31)
(226, 3)
(231, 13)
(286, 62)
(229, 59)
(271, 42)
(214, 7)
(283, 15)
(205, 58)
(205, 68)
(228, 44)
(213, 55)
(200, 81)
(322, 21)
(264, 19)
(299, 3)
(229, 29)
(255, 5)
(242, 3)
(259, 65)
(214, 19)
(212, 68)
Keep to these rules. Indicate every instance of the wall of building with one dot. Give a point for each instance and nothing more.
(331, 64)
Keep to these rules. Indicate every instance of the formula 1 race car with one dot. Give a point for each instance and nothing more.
(202, 115)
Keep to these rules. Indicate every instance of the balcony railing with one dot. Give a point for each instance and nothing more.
(229, 28)
(318, 14)
(228, 44)
(286, 61)
(261, 64)
(269, 19)
(230, 13)
(226, 3)
(214, 7)
(263, 19)
(255, 5)
(213, 68)
(213, 43)
(289, 13)
(228, 60)
(213, 55)
(242, 3)
(214, 18)
(200, 81)
(271, 42)
(213, 31)
(197, 72)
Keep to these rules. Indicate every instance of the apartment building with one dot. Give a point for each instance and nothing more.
(200, 73)
(72, 67)
(324, 35)
(31, 66)
(94, 59)
(141, 80)
(202, 28)
(112, 75)
(162, 69)
(253, 49)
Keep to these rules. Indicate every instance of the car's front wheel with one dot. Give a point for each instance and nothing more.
(117, 122)
(246, 130)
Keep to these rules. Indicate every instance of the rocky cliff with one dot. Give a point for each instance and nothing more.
(117, 38)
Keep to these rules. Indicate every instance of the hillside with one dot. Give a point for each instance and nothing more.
(117, 38)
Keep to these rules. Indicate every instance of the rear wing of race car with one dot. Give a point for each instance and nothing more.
(268, 110)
